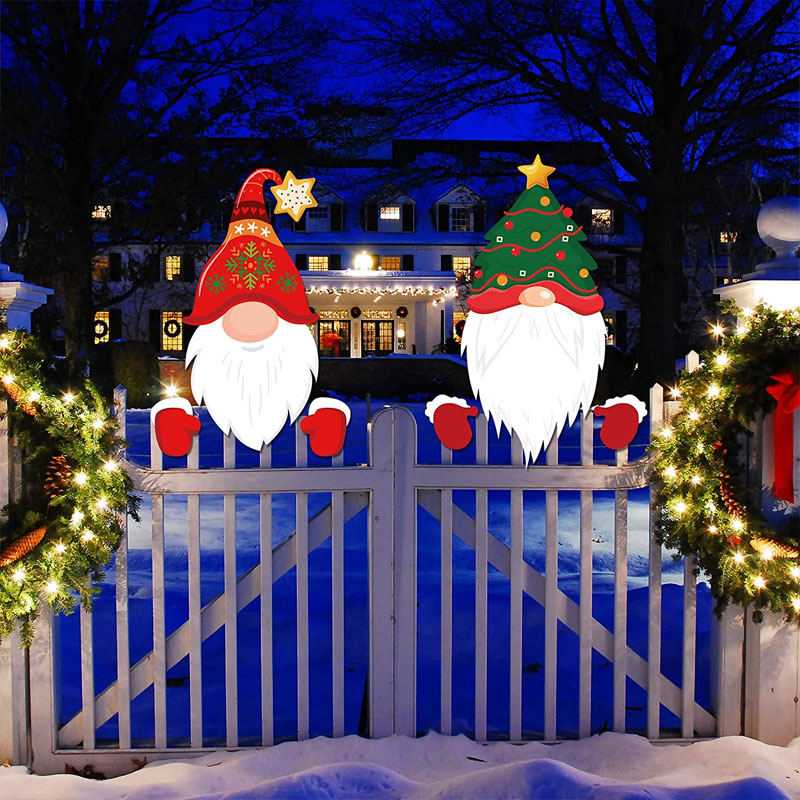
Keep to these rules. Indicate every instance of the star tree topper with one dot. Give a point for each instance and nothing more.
(536, 173)
(294, 196)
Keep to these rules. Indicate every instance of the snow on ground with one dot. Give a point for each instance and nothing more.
(610, 766)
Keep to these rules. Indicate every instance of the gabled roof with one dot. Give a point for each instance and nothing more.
(390, 194)
(323, 193)
(460, 194)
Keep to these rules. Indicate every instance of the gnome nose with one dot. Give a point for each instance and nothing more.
(250, 321)
(537, 296)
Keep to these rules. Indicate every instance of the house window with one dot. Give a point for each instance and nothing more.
(390, 263)
(100, 268)
(602, 220)
(318, 219)
(102, 327)
(460, 218)
(390, 212)
(101, 212)
(172, 330)
(728, 237)
(462, 266)
(610, 329)
(173, 268)
(318, 263)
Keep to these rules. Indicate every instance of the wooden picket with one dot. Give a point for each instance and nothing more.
(391, 487)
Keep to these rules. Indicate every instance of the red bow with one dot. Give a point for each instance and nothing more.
(787, 392)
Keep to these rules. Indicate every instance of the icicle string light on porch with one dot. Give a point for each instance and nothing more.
(396, 291)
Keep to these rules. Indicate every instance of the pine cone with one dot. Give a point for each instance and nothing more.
(728, 494)
(18, 396)
(22, 546)
(57, 476)
(772, 548)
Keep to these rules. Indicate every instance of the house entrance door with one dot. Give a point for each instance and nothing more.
(377, 337)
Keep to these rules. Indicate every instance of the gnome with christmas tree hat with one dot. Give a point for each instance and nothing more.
(254, 357)
(535, 337)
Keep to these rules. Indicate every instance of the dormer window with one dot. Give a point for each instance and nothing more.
(602, 221)
(460, 218)
(318, 219)
(459, 211)
(101, 212)
(326, 217)
(390, 212)
(728, 237)
(396, 216)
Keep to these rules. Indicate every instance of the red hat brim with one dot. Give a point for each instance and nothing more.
(497, 299)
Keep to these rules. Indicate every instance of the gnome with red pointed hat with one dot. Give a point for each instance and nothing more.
(254, 356)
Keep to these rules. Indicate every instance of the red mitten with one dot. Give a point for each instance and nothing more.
(450, 418)
(326, 425)
(622, 416)
(175, 425)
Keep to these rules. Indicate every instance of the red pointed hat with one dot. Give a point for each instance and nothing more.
(251, 264)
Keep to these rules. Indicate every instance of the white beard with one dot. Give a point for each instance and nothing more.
(252, 392)
(534, 368)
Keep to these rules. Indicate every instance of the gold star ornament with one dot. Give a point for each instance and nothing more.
(536, 173)
(294, 196)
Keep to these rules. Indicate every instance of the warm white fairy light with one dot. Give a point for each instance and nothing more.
(51, 587)
(680, 506)
(737, 524)
(18, 575)
(696, 480)
(712, 528)
(87, 536)
(60, 549)
(738, 557)
(8, 379)
(796, 603)
(98, 424)
(700, 447)
(713, 390)
(722, 359)
(795, 572)
(694, 415)
(68, 397)
(34, 396)
(747, 312)
(5, 343)
(81, 478)
(665, 432)
(171, 391)
(102, 504)
(717, 330)
(675, 391)
(109, 466)
(77, 517)
(759, 582)
(670, 471)
(767, 554)
(741, 330)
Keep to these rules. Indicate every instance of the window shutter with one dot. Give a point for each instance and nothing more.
(408, 262)
(155, 327)
(115, 324)
(188, 330)
(583, 216)
(621, 269)
(407, 217)
(371, 217)
(301, 261)
(443, 218)
(447, 263)
(479, 217)
(621, 331)
(187, 267)
(300, 225)
(115, 266)
(337, 217)
(335, 261)
(619, 222)
(152, 268)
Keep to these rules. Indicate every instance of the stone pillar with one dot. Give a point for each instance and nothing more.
(772, 651)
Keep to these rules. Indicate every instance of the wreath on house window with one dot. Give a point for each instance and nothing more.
(402, 312)
(709, 504)
(355, 312)
(57, 537)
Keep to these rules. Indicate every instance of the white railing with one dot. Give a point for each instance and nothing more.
(392, 487)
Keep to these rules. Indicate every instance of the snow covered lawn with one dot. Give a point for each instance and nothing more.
(609, 766)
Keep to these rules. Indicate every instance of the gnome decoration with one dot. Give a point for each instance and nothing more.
(254, 356)
(535, 337)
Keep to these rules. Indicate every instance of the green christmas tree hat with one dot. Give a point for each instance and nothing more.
(536, 243)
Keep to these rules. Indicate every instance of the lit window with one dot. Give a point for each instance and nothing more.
(173, 267)
(102, 327)
(462, 266)
(101, 212)
(610, 326)
(390, 212)
(460, 218)
(171, 330)
(602, 220)
(100, 268)
(728, 237)
(318, 263)
(390, 263)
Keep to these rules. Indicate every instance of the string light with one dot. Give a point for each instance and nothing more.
(796, 603)
(60, 548)
(399, 291)
(34, 396)
(680, 506)
(110, 466)
(795, 572)
(737, 524)
(675, 392)
(696, 480)
(665, 432)
(741, 330)
(81, 478)
(68, 397)
(98, 424)
(77, 517)
(759, 582)
(717, 330)
(670, 471)
(87, 536)
(5, 343)
(694, 415)
(767, 553)
(8, 379)
(712, 528)
(738, 557)
(51, 587)
(713, 390)
(171, 391)
(102, 504)
(18, 575)
(722, 359)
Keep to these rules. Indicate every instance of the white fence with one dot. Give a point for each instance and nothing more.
(393, 489)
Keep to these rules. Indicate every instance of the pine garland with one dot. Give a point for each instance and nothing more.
(56, 540)
(698, 481)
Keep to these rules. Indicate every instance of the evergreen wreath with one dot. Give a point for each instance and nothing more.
(707, 505)
(57, 537)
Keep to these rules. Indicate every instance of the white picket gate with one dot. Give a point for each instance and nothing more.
(392, 488)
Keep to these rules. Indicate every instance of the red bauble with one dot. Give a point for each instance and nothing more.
(478, 273)
(515, 251)
(561, 255)
(509, 224)
(567, 211)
